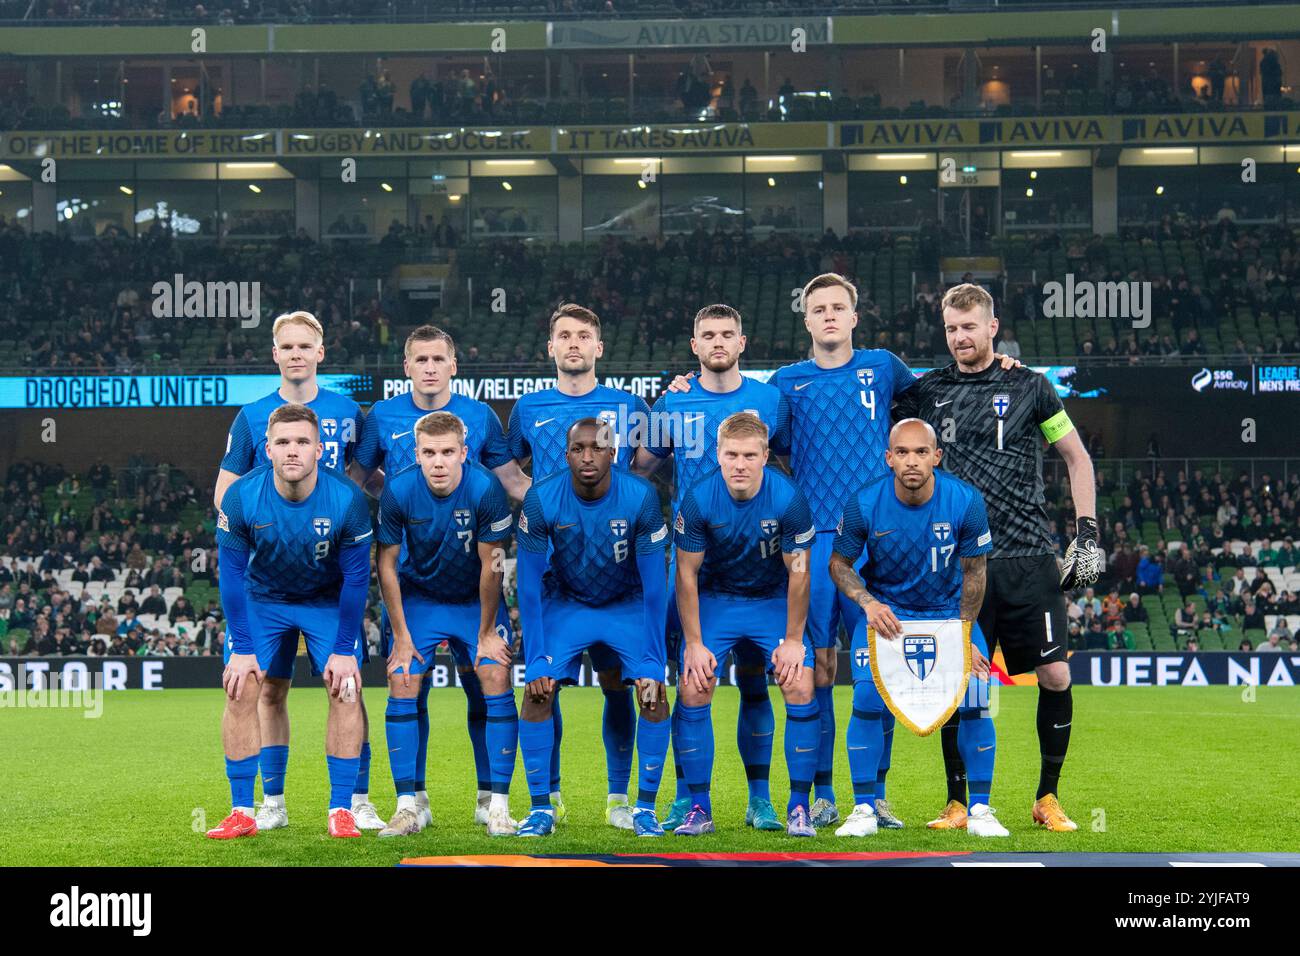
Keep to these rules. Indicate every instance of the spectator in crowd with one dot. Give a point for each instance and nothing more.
(1184, 621)
(1150, 574)
(1134, 611)
(1245, 645)
(1252, 619)
(1278, 639)
(153, 602)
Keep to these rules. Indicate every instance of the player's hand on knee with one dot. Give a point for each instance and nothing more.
(979, 664)
(493, 646)
(882, 620)
(239, 671)
(787, 661)
(338, 669)
(538, 690)
(399, 658)
(699, 666)
(682, 383)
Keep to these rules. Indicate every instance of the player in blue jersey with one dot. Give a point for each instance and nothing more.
(387, 446)
(685, 424)
(742, 534)
(538, 430)
(591, 576)
(294, 554)
(921, 537)
(447, 516)
(298, 349)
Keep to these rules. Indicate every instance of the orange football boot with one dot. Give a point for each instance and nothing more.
(343, 824)
(1048, 813)
(236, 825)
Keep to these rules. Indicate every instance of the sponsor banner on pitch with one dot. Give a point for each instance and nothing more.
(1175, 669)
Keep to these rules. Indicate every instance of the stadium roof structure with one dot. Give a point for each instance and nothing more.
(920, 26)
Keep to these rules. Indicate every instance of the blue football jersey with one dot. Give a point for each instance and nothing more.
(340, 421)
(685, 425)
(592, 542)
(912, 553)
(839, 425)
(441, 534)
(743, 541)
(539, 425)
(293, 546)
(388, 439)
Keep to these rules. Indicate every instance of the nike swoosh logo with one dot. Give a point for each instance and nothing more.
(691, 751)
(804, 750)
(418, 520)
(757, 734)
(650, 767)
(393, 750)
(982, 749)
(941, 404)
(881, 534)
(397, 435)
(722, 525)
(804, 385)
(857, 748)
(544, 421)
(506, 753)
(561, 527)
(1062, 726)
(259, 527)
(1050, 650)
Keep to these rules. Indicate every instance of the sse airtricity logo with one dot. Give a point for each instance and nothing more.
(1202, 379)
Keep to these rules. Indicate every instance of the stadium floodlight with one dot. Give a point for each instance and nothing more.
(901, 155)
(1169, 151)
(1037, 154)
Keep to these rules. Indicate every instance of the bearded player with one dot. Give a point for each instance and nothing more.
(538, 432)
(684, 424)
(993, 423)
(919, 538)
(298, 349)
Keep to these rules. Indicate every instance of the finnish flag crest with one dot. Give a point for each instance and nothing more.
(321, 526)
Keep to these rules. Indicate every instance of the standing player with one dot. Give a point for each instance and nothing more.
(694, 417)
(906, 527)
(539, 427)
(448, 516)
(294, 554)
(604, 535)
(298, 349)
(387, 442)
(997, 419)
(742, 535)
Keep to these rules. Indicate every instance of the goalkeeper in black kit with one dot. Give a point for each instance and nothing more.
(991, 425)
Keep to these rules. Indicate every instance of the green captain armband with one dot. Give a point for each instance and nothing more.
(1057, 427)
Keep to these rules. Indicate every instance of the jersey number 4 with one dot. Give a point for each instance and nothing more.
(868, 395)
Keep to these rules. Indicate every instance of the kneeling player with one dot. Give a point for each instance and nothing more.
(606, 589)
(452, 515)
(294, 544)
(909, 524)
(742, 535)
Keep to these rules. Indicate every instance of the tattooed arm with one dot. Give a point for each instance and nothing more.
(879, 617)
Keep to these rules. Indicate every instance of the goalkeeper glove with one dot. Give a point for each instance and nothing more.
(1082, 558)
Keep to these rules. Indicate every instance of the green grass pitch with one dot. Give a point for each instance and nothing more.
(1150, 769)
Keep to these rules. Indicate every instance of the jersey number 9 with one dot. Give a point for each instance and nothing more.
(322, 550)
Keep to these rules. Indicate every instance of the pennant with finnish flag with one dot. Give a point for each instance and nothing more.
(923, 673)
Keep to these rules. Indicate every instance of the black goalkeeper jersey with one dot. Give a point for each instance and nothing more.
(991, 426)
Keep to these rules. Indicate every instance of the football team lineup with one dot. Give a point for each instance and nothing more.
(879, 535)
